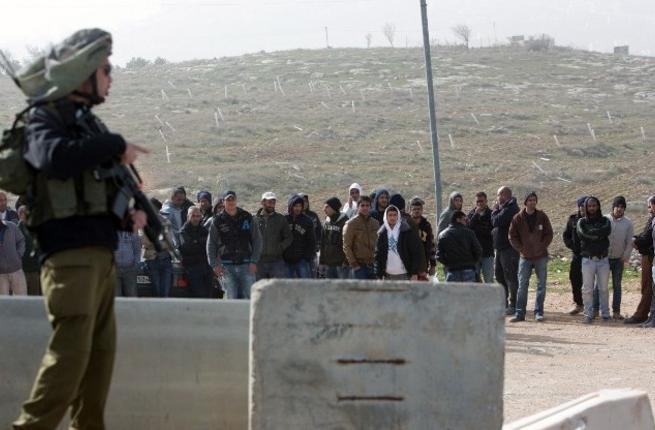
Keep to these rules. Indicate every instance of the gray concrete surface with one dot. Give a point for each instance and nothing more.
(603, 410)
(366, 355)
(181, 364)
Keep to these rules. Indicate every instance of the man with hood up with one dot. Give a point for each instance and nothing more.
(332, 256)
(593, 232)
(379, 203)
(205, 204)
(303, 247)
(397, 249)
(318, 231)
(455, 203)
(573, 243)
(507, 259)
(172, 211)
(354, 193)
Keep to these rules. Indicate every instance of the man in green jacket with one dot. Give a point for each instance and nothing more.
(276, 238)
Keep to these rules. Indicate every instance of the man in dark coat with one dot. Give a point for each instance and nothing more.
(507, 259)
(459, 250)
(643, 242)
(573, 243)
(303, 247)
(398, 248)
(479, 220)
(332, 257)
(193, 248)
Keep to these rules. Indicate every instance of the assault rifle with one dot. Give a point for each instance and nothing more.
(128, 182)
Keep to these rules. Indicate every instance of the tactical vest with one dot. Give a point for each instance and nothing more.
(235, 233)
(83, 195)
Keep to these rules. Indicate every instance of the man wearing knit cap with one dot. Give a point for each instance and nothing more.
(332, 258)
(572, 242)
(593, 231)
(530, 233)
(619, 251)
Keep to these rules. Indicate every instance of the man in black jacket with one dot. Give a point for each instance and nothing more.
(507, 258)
(479, 220)
(459, 250)
(643, 242)
(318, 232)
(72, 218)
(398, 249)
(572, 242)
(593, 230)
(332, 256)
(193, 248)
(303, 247)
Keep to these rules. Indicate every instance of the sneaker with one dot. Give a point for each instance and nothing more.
(516, 318)
(510, 311)
(586, 320)
(633, 320)
(538, 317)
(576, 309)
(606, 319)
(649, 324)
(617, 316)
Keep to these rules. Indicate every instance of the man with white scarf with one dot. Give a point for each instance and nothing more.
(398, 249)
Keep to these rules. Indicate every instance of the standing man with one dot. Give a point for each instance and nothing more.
(332, 255)
(359, 237)
(379, 204)
(426, 236)
(455, 203)
(172, 211)
(398, 249)
(354, 193)
(7, 213)
(572, 242)
(303, 247)
(594, 230)
(76, 232)
(31, 266)
(507, 259)
(127, 258)
(12, 248)
(234, 247)
(459, 250)
(159, 263)
(205, 204)
(530, 234)
(193, 248)
(619, 251)
(276, 238)
(479, 220)
(643, 242)
(318, 230)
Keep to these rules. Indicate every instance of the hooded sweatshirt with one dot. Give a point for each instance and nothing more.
(376, 211)
(444, 218)
(303, 246)
(398, 249)
(351, 209)
(593, 233)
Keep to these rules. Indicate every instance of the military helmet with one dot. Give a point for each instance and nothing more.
(66, 66)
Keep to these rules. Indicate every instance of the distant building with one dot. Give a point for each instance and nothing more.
(622, 50)
(517, 40)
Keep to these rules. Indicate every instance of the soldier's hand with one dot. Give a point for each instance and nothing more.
(131, 153)
(139, 219)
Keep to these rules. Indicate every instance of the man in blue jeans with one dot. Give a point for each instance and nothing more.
(530, 234)
(359, 237)
(233, 248)
(459, 250)
(302, 251)
(593, 233)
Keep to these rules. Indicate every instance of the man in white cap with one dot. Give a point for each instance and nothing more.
(276, 236)
(354, 192)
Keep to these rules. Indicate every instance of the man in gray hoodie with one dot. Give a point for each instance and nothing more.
(12, 248)
(455, 203)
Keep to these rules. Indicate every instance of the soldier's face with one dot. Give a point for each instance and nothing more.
(103, 78)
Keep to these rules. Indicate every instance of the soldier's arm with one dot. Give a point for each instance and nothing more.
(51, 149)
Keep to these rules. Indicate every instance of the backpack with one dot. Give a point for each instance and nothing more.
(16, 175)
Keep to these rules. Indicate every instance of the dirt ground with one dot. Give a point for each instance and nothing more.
(560, 359)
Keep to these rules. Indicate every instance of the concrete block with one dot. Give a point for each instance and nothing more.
(181, 364)
(603, 410)
(370, 355)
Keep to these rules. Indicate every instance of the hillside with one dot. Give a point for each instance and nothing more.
(360, 115)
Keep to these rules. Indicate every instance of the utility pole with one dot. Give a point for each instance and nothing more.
(327, 43)
(432, 110)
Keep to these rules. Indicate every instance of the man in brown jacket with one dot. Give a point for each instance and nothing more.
(359, 236)
(530, 233)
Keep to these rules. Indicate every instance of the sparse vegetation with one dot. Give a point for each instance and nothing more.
(389, 31)
(463, 33)
(137, 63)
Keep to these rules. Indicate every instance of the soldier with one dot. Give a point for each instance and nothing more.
(72, 219)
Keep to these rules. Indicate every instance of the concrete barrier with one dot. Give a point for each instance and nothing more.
(367, 355)
(604, 410)
(181, 364)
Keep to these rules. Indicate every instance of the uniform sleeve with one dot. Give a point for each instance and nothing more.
(51, 149)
